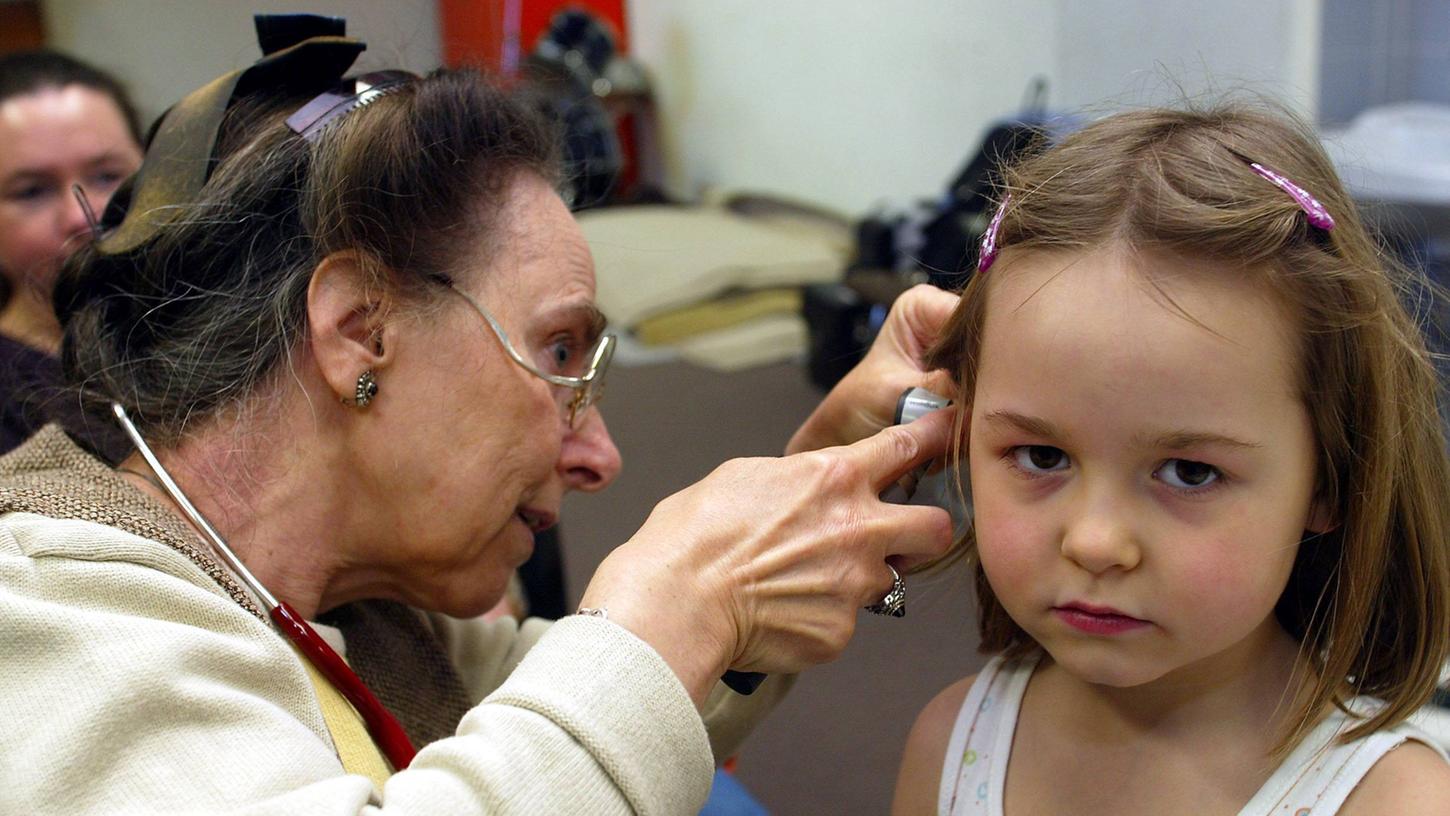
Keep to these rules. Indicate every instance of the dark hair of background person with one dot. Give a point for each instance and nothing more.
(202, 312)
(26, 72)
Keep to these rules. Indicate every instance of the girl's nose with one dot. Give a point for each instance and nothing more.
(1100, 538)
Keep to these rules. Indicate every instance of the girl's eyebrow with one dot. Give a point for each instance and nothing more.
(1171, 440)
(1178, 440)
(1035, 426)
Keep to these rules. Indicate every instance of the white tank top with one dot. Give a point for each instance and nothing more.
(1314, 780)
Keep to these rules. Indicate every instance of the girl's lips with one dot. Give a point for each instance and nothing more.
(1097, 620)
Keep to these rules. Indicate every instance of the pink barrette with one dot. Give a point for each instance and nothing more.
(988, 252)
(1317, 215)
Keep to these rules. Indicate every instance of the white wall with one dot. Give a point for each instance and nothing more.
(1113, 53)
(847, 102)
(841, 102)
(844, 103)
(163, 49)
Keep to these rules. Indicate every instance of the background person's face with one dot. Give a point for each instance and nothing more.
(50, 141)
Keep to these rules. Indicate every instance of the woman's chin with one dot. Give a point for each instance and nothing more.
(473, 604)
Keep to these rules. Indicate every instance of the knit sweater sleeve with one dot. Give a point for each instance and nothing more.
(486, 653)
(133, 685)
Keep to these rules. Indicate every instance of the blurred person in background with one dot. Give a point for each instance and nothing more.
(63, 125)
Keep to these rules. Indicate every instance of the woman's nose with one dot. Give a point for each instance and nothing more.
(73, 221)
(589, 460)
(1100, 538)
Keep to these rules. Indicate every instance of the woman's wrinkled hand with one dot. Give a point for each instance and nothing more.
(765, 564)
(864, 401)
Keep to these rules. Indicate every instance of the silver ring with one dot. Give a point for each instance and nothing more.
(894, 604)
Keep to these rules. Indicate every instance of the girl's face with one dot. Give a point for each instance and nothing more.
(50, 141)
(1142, 472)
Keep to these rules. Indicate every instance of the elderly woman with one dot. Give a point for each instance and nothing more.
(353, 326)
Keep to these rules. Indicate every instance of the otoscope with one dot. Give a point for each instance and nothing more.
(913, 404)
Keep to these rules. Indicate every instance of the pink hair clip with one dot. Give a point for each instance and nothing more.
(1317, 215)
(987, 255)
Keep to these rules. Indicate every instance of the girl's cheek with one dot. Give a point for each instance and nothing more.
(1009, 543)
(1215, 568)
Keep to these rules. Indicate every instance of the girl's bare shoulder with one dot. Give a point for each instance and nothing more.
(1408, 781)
(926, 748)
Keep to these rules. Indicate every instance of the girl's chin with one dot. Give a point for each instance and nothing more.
(1111, 671)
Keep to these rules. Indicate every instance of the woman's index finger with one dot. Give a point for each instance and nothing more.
(895, 450)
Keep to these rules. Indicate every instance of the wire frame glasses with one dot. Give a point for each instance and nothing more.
(586, 389)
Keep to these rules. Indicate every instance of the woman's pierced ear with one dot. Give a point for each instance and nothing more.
(367, 388)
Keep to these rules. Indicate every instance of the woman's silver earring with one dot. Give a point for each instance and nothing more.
(367, 388)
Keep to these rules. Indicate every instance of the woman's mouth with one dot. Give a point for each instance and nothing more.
(1097, 620)
(536, 520)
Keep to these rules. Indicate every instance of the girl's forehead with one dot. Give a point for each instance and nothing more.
(1194, 289)
(1114, 322)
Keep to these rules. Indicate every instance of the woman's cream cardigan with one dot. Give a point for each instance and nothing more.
(134, 678)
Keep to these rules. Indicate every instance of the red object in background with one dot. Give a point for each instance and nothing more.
(497, 34)
(477, 32)
(21, 28)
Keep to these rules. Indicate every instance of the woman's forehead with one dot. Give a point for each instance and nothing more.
(74, 123)
(543, 259)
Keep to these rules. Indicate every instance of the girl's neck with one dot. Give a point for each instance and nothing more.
(1200, 739)
(1258, 683)
(30, 319)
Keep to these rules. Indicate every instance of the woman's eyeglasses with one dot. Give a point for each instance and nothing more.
(585, 389)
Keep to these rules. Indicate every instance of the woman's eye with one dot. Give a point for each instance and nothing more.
(1186, 474)
(30, 192)
(561, 354)
(107, 179)
(1039, 458)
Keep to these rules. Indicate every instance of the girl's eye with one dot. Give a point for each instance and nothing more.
(1186, 474)
(1039, 458)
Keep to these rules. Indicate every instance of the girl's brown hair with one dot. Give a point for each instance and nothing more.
(1370, 600)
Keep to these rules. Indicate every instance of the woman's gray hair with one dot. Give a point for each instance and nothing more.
(203, 312)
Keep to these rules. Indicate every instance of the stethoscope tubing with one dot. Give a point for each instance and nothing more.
(382, 726)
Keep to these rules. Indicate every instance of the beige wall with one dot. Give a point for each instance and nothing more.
(165, 48)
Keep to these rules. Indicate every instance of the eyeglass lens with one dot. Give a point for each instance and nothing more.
(591, 390)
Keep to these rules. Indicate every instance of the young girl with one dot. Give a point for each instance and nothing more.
(1209, 487)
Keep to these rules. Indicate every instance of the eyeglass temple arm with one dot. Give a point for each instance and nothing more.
(508, 346)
